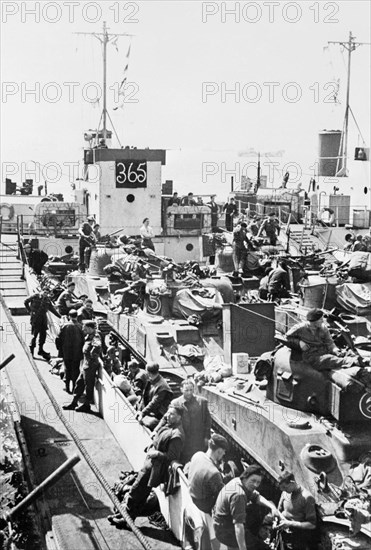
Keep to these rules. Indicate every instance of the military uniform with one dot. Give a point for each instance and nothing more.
(38, 305)
(92, 352)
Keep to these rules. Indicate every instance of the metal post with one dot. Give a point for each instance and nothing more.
(105, 40)
(39, 490)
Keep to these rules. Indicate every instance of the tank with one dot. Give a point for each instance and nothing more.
(314, 425)
(328, 152)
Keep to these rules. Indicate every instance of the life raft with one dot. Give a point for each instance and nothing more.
(6, 211)
(327, 215)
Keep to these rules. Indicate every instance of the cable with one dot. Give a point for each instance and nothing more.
(139, 535)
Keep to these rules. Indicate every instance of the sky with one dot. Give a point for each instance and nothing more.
(205, 80)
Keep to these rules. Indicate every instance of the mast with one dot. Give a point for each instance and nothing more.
(104, 42)
(351, 45)
(104, 38)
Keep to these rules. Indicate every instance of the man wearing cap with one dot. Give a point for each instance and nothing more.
(206, 481)
(70, 342)
(163, 452)
(67, 300)
(271, 226)
(92, 352)
(298, 511)
(236, 514)
(196, 420)
(86, 240)
(318, 348)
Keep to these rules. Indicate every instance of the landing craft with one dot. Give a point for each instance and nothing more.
(292, 418)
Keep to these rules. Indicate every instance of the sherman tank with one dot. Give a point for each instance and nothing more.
(314, 426)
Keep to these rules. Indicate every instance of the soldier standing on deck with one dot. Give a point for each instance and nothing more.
(38, 305)
(271, 226)
(84, 386)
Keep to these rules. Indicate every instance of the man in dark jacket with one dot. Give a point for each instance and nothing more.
(138, 378)
(70, 342)
(214, 211)
(92, 352)
(230, 209)
(38, 305)
(156, 398)
(196, 420)
(164, 451)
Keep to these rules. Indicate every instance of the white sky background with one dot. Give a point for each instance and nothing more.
(173, 52)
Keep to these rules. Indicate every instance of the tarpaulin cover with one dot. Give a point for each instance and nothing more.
(205, 302)
(355, 297)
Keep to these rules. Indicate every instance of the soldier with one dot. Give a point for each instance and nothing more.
(67, 300)
(70, 342)
(206, 480)
(237, 513)
(271, 226)
(196, 420)
(156, 398)
(38, 305)
(84, 386)
(313, 338)
(163, 452)
(298, 511)
(87, 239)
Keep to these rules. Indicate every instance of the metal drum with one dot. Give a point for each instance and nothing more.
(100, 258)
(318, 292)
(224, 260)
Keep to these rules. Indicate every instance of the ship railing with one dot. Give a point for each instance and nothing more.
(46, 225)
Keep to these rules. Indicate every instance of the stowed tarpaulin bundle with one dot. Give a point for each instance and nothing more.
(355, 297)
(205, 302)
